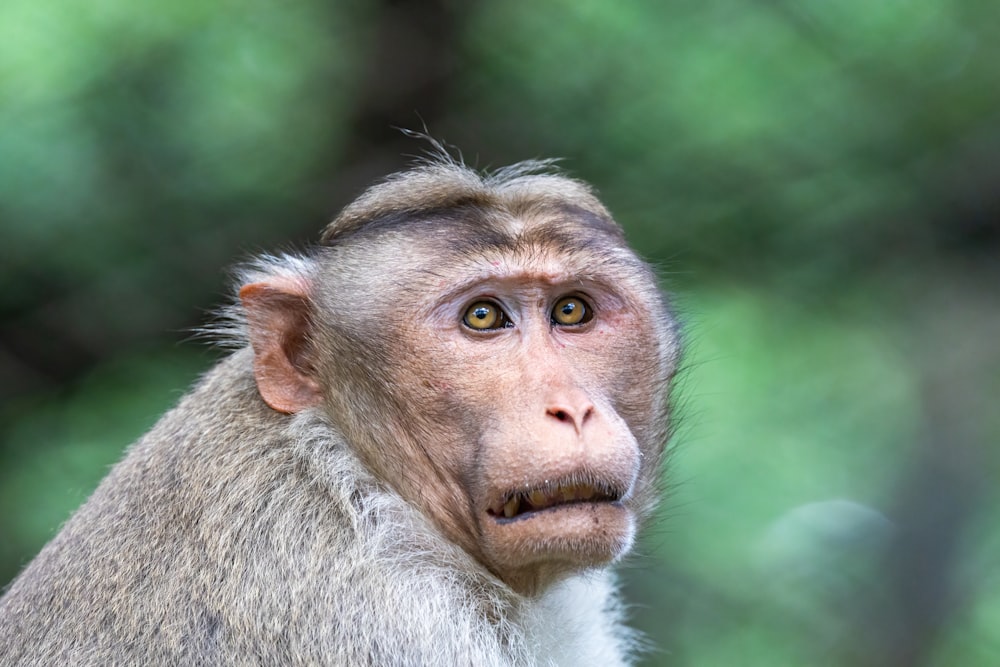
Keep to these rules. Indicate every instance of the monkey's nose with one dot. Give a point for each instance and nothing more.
(571, 408)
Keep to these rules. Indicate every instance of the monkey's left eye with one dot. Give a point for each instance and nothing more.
(485, 315)
(571, 310)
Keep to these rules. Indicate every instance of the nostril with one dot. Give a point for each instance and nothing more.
(560, 415)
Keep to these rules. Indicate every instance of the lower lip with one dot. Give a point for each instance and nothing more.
(526, 516)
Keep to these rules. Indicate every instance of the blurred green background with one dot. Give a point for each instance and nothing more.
(819, 182)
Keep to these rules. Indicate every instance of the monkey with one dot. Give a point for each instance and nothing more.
(436, 432)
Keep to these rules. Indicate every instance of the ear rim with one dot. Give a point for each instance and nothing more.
(278, 318)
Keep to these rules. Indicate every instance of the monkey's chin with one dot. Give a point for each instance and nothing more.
(535, 548)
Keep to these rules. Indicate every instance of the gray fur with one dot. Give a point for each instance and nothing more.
(264, 541)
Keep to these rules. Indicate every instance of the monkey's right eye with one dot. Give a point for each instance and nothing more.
(485, 315)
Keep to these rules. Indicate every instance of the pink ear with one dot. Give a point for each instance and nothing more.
(278, 315)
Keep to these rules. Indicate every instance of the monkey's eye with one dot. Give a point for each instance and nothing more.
(571, 310)
(485, 315)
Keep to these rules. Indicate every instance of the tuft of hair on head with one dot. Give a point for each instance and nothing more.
(439, 180)
(441, 153)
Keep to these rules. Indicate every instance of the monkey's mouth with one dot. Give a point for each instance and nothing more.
(520, 504)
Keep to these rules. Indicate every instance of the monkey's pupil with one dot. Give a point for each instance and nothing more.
(481, 313)
(568, 308)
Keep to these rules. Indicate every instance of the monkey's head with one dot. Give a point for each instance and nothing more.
(493, 351)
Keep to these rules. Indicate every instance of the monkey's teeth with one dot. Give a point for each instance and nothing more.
(543, 498)
(511, 507)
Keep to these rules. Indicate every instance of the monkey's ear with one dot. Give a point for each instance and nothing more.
(278, 318)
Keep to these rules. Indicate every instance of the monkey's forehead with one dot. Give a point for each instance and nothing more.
(449, 260)
(448, 190)
(465, 229)
(560, 241)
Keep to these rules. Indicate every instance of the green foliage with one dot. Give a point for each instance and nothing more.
(714, 126)
(111, 109)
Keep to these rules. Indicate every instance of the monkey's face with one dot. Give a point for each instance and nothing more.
(530, 386)
(506, 375)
